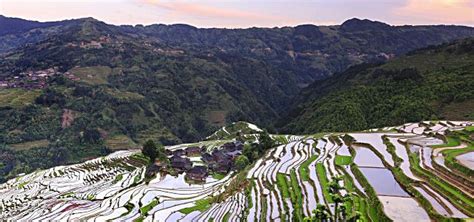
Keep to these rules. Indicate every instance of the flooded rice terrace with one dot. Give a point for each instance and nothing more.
(383, 182)
(286, 183)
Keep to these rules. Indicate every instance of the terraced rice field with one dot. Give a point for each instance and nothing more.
(393, 173)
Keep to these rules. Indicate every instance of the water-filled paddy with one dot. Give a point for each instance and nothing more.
(467, 160)
(343, 150)
(427, 156)
(375, 140)
(436, 204)
(403, 209)
(383, 182)
(366, 158)
(401, 152)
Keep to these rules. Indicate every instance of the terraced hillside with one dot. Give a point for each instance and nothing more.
(414, 172)
(231, 130)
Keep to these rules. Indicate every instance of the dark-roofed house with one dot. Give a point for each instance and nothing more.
(239, 145)
(193, 151)
(222, 168)
(220, 155)
(198, 173)
(207, 158)
(180, 164)
(179, 152)
(152, 170)
(222, 163)
(234, 154)
(229, 146)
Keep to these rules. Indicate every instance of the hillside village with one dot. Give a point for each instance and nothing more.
(30, 79)
(198, 163)
(34, 79)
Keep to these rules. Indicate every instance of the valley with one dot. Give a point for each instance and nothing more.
(400, 173)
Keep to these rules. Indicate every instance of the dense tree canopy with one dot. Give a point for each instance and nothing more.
(430, 84)
(150, 150)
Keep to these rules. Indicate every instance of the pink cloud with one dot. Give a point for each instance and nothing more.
(206, 11)
(437, 11)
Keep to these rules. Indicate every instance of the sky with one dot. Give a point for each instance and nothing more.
(245, 13)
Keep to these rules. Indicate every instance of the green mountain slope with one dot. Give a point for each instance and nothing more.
(433, 83)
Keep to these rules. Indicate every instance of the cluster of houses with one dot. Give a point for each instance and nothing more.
(34, 79)
(93, 44)
(220, 161)
(29, 79)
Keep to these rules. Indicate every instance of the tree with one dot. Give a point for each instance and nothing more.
(91, 135)
(150, 150)
(241, 162)
(240, 137)
(161, 152)
(265, 140)
(337, 198)
(334, 189)
(250, 152)
(343, 209)
(60, 155)
(321, 213)
(356, 217)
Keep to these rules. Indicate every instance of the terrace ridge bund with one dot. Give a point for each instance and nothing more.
(399, 196)
(374, 167)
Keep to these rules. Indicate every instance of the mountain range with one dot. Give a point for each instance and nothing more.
(77, 89)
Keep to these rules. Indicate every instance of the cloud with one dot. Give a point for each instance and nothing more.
(206, 11)
(437, 11)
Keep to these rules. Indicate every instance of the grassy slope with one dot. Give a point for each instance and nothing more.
(17, 98)
(144, 210)
(342, 160)
(30, 144)
(321, 171)
(454, 139)
(450, 157)
(95, 75)
(296, 189)
(118, 142)
(201, 205)
(304, 170)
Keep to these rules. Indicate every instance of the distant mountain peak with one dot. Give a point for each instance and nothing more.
(10, 25)
(90, 28)
(356, 24)
(88, 19)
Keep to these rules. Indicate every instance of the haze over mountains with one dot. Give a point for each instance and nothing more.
(109, 85)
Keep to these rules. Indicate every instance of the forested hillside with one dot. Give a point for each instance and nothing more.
(433, 83)
(307, 51)
(77, 89)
